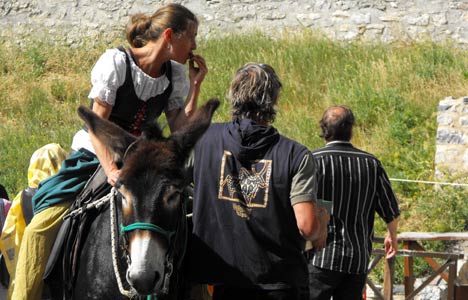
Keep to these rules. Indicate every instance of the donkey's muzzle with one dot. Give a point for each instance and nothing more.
(143, 283)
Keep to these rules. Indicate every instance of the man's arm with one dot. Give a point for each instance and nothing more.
(391, 241)
(311, 220)
(312, 223)
(387, 208)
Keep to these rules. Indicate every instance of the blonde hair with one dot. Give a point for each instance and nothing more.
(143, 28)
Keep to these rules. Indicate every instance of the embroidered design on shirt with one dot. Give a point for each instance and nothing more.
(140, 117)
(248, 188)
(242, 211)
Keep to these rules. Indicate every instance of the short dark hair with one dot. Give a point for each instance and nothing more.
(254, 92)
(337, 123)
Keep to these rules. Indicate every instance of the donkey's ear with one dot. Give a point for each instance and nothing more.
(152, 131)
(111, 135)
(188, 135)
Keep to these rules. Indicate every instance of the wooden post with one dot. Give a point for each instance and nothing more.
(434, 265)
(408, 270)
(451, 279)
(389, 275)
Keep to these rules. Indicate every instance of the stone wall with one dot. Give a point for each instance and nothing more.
(451, 156)
(385, 21)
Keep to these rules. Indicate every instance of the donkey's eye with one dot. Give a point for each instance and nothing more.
(172, 195)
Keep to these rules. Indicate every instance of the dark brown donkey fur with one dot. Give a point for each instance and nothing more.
(149, 191)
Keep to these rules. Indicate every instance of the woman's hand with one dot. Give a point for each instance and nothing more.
(113, 176)
(197, 70)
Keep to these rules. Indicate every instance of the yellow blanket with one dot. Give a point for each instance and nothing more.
(44, 162)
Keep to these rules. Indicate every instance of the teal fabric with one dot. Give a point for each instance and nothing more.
(66, 183)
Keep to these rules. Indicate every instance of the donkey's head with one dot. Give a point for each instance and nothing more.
(151, 184)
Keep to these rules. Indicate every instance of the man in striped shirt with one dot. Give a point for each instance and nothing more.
(358, 186)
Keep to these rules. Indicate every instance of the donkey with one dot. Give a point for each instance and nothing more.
(149, 204)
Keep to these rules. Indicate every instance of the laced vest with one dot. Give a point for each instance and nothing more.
(131, 113)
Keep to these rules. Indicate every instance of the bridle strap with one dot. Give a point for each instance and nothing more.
(113, 217)
(169, 234)
(148, 226)
(128, 148)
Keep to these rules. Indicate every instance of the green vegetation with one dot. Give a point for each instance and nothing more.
(393, 90)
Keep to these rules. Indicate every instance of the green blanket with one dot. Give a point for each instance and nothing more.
(66, 183)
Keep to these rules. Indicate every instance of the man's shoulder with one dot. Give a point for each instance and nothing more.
(292, 147)
(342, 149)
(286, 140)
(216, 127)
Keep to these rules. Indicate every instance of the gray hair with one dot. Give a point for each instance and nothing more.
(254, 92)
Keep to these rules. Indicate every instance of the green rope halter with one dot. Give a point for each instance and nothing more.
(147, 226)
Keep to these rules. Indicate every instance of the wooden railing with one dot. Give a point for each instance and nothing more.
(412, 248)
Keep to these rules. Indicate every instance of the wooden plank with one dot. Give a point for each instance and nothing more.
(389, 274)
(434, 265)
(379, 240)
(427, 281)
(451, 280)
(411, 249)
(415, 253)
(375, 261)
(408, 270)
(377, 293)
(432, 236)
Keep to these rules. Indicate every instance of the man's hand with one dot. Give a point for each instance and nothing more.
(391, 246)
(391, 241)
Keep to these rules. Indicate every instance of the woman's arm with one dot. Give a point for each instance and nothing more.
(104, 110)
(178, 117)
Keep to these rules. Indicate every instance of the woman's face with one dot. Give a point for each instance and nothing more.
(184, 43)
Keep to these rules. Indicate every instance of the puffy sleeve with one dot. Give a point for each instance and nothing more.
(107, 75)
(180, 86)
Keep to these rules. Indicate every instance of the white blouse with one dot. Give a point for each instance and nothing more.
(108, 74)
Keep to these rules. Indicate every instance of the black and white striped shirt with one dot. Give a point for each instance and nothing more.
(358, 186)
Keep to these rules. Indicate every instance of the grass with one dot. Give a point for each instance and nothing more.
(393, 90)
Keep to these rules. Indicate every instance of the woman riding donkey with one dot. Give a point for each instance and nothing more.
(131, 87)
